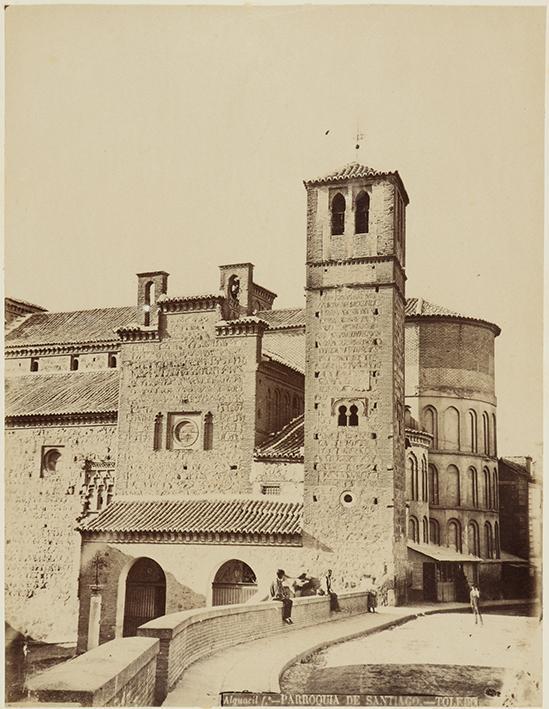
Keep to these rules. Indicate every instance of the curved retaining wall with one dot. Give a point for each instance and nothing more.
(139, 671)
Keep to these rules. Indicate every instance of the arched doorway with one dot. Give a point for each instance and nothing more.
(145, 595)
(234, 582)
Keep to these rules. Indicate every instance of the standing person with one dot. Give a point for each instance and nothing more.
(372, 597)
(474, 597)
(279, 592)
(334, 603)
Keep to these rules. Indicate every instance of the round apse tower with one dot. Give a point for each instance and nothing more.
(450, 389)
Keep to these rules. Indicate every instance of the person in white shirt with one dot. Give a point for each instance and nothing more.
(474, 597)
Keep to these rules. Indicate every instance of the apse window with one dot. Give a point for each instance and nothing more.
(51, 456)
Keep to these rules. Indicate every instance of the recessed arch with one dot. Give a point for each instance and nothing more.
(430, 423)
(338, 214)
(144, 596)
(451, 429)
(362, 212)
(234, 582)
(413, 528)
(454, 534)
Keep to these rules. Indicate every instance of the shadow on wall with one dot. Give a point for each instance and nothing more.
(104, 572)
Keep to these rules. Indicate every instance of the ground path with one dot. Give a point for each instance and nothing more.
(256, 666)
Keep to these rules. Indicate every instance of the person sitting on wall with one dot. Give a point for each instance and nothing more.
(306, 585)
(280, 592)
(334, 603)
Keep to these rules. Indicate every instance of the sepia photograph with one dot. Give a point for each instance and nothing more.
(273, 355)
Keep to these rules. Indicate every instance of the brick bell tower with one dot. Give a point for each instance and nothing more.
(354, 500)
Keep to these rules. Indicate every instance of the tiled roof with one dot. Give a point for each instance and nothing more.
(63, 393)
(24, 303)
(354, 170)
(517, 467)
(287, 443)
(77, 326)
(198, 516)
(347, 172)
(283, 318)
(418, 307)
(286, 347)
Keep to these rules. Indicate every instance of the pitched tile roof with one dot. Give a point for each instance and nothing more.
(285, 444)
(516, 466)
(63, 393)
(287, 347)
(418, 307)
(351, 171)
(283, 318)
(440, 553)
(198, 516)
(77, 326)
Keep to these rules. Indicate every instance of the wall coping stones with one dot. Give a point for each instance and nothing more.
(94, 678)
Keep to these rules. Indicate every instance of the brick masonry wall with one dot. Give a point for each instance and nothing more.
(186, 637)
(191, 370)
(355, 350)
(288, 475)
(457, 358)
(42, 546)
(121, 673)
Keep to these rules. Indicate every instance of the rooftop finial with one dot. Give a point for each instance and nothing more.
(359, 139)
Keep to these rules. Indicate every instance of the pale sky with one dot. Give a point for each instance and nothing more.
(177, 138)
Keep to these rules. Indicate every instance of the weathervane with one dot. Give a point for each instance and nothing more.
(359, 139)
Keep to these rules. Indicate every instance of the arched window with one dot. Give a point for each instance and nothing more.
(342, 416)
(433, 485)
(425, 531)
(451, 429)
(424, 482)
(277, 410)
(430, 423)
(74, 363)
(414, 488)
(269, 411)
(494, 437)
(413, 529)
(362, 210)
(234, 582)
(149, 298)
(487, 500)
(495, 490)
(452, 487)
(295, 406)
(496, 539)
(473, 487)
(338, 214)
(34, 364)
(486, 433)
(157, 439)
(434, 531)
(286, 409)
(488, 541)
(472, 425)
(353, 415)
(208, 431)
(50, 460)
(454, 535)
(473, 538)
(113, 361)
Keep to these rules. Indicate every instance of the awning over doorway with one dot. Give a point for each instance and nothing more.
(439, 553)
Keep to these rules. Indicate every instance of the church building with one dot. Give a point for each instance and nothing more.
(174, 453)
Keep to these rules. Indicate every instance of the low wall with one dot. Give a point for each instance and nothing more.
(139, 671)
(118, 673)
(190, 635)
